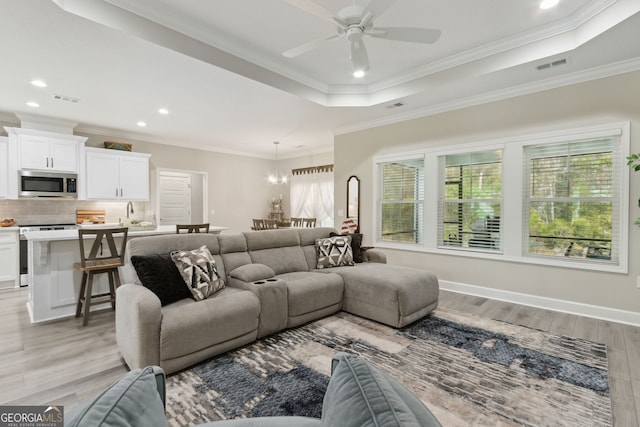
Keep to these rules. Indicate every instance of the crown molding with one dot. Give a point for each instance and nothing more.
(621, 67)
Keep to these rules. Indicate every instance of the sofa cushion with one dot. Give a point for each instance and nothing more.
(133, 400)
(188, 326)
(310, 291)
(334, 252)
(159, 274)
(199, 271)
(361, 395)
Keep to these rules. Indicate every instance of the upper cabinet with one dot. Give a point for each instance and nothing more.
(48, 151)
(116, 175)
(4, 168)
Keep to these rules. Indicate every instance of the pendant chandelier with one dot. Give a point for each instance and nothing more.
(277, 178)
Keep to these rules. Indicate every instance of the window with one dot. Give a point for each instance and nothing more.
(401, 201)
(311, 194)
(470, 201)
(572, 200)
(557, 198)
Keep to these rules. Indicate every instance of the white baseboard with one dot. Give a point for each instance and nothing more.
(587, 310)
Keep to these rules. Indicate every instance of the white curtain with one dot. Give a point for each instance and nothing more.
(312, 197)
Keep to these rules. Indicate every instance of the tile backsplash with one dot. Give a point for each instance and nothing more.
(63, 211)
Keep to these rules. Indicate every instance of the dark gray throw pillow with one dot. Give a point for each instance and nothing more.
(356, 243)
(160, 275)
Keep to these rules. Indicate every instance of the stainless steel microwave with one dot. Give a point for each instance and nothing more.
(47, 184)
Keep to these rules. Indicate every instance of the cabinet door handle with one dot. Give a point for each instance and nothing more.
(47, 162)
(116, 191)
(52, 162)
(120, 192)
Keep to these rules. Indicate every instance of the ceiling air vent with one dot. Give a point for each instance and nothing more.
(396, 105)
(548, 65)
(66, 98)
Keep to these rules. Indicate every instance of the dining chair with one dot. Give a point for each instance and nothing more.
(99, 260)
(192, 228)
(258, 224)
(270, 224)
(308, 222)
(296, 222)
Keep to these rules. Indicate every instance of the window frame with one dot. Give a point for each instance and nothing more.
(442, 201)
(378, 198)
(512, 237)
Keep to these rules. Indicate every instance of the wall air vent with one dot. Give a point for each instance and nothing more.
(66, 98)
(396, 105)
(551, 64)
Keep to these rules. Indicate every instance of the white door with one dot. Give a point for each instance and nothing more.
(175, 198)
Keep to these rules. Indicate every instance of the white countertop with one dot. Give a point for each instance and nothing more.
(59, 235)
(11, 228)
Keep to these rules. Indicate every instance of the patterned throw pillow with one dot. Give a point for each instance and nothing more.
(199, 271)
(334, 252)
(356, 245)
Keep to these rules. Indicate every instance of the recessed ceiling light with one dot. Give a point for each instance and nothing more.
(548, 4)
(33, 104)
(38, 83)
(163, 111)
(358, 74)
(141, 124)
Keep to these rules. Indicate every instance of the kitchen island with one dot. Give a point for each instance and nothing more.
(53, 282)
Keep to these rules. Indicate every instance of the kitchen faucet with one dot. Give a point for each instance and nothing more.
(129, 206)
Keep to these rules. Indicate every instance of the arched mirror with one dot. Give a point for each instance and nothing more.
(353, 199)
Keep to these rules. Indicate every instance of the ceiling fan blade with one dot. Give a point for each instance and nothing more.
(359, 57)
(406, 34)
(306, 47)
(378, 7)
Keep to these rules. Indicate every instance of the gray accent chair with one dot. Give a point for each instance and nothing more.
(358, 395)
(273, 284)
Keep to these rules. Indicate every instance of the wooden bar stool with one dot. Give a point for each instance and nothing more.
(192, 228)
(98, 261)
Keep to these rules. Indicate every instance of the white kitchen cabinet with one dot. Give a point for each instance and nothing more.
(4, 168)
(112, 175)
(49, 151)
(9, 257)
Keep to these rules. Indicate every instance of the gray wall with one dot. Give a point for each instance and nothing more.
(606, 100)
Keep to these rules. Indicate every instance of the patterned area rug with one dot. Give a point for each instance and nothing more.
(469, 371)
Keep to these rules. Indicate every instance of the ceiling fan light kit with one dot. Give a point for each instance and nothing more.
(353, 23)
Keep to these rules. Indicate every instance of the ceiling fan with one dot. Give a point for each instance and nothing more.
(353, 23)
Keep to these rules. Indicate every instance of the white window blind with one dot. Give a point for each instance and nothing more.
(470, 200)
(572, 200)
(401, 201)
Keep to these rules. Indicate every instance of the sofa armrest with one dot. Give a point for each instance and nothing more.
(374, 255)
(138, 317)
(136, 399)
(252, 272)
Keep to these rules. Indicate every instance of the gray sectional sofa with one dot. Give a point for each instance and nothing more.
(272, 284)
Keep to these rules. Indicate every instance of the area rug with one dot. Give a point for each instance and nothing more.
(468, 370)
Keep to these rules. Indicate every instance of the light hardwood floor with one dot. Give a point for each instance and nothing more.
(63, 363)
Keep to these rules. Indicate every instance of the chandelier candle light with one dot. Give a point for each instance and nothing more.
(277, 179)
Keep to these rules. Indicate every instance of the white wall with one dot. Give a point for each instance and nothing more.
(607, 100)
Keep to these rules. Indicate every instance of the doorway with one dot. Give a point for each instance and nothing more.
(181, 197)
